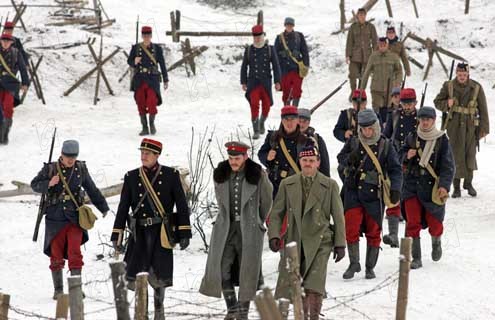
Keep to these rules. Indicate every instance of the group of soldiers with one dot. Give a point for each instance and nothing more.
(395, 162)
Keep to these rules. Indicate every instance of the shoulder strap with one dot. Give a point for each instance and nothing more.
(373, 158)
(66, 186)
(350, 118)
(148, 53)
(428, 167)
(450, 87)
(6, 67)
(289, 158)
(475, 95)
(151, 192)
(282, 39)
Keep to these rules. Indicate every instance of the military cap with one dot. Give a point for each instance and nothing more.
(361, 10)
(427, 112)
(359, 94)
(146, 30)
(304, 113)
(6, 36)
(257, 30)
(70, 148)
(308, 151)
(151, 145)
(235, 148)
(8, 25)
(290, 21)
(382, 39)
(367, 118)
(391, 29)
(407, 95)
(463, 66)
(288, 111)
(396, 91)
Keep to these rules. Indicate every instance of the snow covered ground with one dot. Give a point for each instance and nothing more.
(460, 286)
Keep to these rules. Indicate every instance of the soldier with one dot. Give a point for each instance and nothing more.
(399, 125)
(315, 139)
(304, 198)
(11, 62)
(384, 65)
(292, 50)
(257, 81)
(361, 42)
(430, 170)
(346, 125)
(244, 196)
(145, 57)
(152, 191)
(63, 232)
(396, 46)
(368, 159)
(8, 28)
(463, 99)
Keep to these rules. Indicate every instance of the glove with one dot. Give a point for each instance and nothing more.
(338, 253)
(116, 247)
(274, 244)
(394, 196)
(184, 243)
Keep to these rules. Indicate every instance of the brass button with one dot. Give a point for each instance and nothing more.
(159, 182)
(158, 193)
(142, 204)
(139, 184)
(140, 194)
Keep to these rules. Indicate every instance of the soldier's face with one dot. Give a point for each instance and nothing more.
(304, 124)
(237, 162)
(289, 27)
(382, 46)
(8, 31)
(258, 39)
(149, 158)
(290, 123)
(309, 165)
(361, 17)
(5, 44)
(368, 132)
(426, 123)
(395, 99)
(146, 37)
(391, 35)
(68, 162)
(462, 76)
(409, 107)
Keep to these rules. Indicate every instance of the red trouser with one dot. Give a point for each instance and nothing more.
(414, 211)
(69, 237)
(354, 219)
(293, 81)
(395, 211)
(255, 96)
(146, 99)
(7, 102)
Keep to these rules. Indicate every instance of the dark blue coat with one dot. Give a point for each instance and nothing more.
(399, 126)
(345, 123)
(147, 71)
(363, 191)
(258, 62)
(297, 45)
(418, 182)
(18, 45)
(317, 140)
(15, 61)
(60, 211)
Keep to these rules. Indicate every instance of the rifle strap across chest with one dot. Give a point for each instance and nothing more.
(287, 155)
(148, 53)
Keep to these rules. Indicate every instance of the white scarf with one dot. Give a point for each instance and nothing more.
(377, 132)
(430, 136)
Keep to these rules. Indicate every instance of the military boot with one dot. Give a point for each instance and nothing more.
(315, 302)
(393, 228)
(436, 248)
(158, 299)
(470, 189)
(58, 284)
(7, 124)
(1, 131)
(231, 303)
(305, 303)
(371, 259)
(256, 128)
(77, 272)
(262, 124)
(295, 102)
(243, 310)
(354, 266)
(416, 254)
(144, 123)
(152, 124)
(457, 188)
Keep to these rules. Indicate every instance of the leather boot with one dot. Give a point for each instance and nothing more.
(436, 248)
(144, 123)
(262, 124)
(256, 128)
(371, 259)
(295, 102)
(152, 124)
(231, 303)
(1, 131)
(7, 124)
(468, 184)
(243, 310)
(58, 284)
(77, 272)
(416, 254)
(158, 299)
(305, 303)
(393, 229)
(315, 302)
(354, 266)
(457, 188)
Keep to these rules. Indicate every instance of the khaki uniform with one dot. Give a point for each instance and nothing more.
(399, 49)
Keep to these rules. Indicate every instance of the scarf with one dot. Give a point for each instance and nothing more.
(430, 136)
(377, 132)
(261, 44)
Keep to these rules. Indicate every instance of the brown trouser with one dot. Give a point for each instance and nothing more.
(378, 100)
(356, 70)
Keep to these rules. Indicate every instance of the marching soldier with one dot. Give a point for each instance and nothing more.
(346, 125)
(8, 28)
(384, 65)
(293, 56)
(464, 102)
(396, 46)
(244, 196)
(430, 170)
(315, 139)
(65, 228)
(11, 62)
(361, 42)
(152, 191)
(145, 57)
(369, 160)
(304, 199)
(257, 81)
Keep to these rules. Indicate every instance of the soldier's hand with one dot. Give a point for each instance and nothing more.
(482, 134)
(271, 155)
(53, 181)
(274, 244)
(338, 254)
(165, 85)
(184, 243)
(244, 87)
(442, 193)
(450, 103)
(117, 248)
(24, 89)
(277, 86)
(137, 60)
(348, 134)
(411, 153)
(354, 157)
(394, 196)
(347, 60)
(408, 73)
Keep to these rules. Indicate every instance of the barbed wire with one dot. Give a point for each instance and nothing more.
(29, 314)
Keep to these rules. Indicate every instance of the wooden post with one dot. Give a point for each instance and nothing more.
(103, 75)
(415, 62)
(266, 305)
(429, 64)
(18, 13)
(98, 72)
(76, 298)
(120, 290)
(389, 8)
(260, 17)
(141, 306)
(292, 256)
(177, 19)
(62, 311)
(4, 306)
(283, 307)
(404, 267)
(424, 42)
(466, 9)
(174, 27)
(441, 62)
(342, 14)
(415, 9)
(196, 52)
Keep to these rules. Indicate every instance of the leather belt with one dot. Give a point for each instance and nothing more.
(149, 221)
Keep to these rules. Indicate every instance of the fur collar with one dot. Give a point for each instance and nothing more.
(252, 172)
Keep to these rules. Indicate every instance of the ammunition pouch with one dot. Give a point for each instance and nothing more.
(370, 177)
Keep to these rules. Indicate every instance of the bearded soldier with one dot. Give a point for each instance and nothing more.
(244, 196)
(463, 102)
(429, 163)
(311, 203)
(315, 139)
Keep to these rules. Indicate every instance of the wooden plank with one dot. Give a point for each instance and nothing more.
(141, 305)
(195, 53)
(173, 33)
(342, 14)
(424, 42)
(62, 311)
(17, 10)
(292, 256)
(209, 34)
(404, 268)
(430, 63)
(22, 9)
(389, 9)
(76, 305)
(120, 290)
(103, 75)
(466, 9)
(415, 62)
(415, 9)
(4, 306)
(283, 308)
(260, 18)
(98, 72)
(441, 62)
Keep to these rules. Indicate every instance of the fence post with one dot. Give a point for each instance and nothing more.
(291, 252)
(120, 290)
(4, 306)
(141, 312)
(62, 311)
(404, 268)
(75, 298)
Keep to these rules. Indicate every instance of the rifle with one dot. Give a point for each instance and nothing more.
(133, 70)
(403, 81)
(319, 104)
(42, 206)
(445, 114)
(423, 95)
(387, 97)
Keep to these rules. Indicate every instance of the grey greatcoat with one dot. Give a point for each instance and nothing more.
(256, 202)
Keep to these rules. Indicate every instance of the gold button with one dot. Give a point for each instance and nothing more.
(158, 193)
(159, 182)
(139, 184)
(360, 187)
(75, 168)
(161, 172)
(144, 214)
(78, 176)
(142, 204)
(371, 190)
(140, 194)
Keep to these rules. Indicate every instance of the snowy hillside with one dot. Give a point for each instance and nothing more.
(460, 286)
